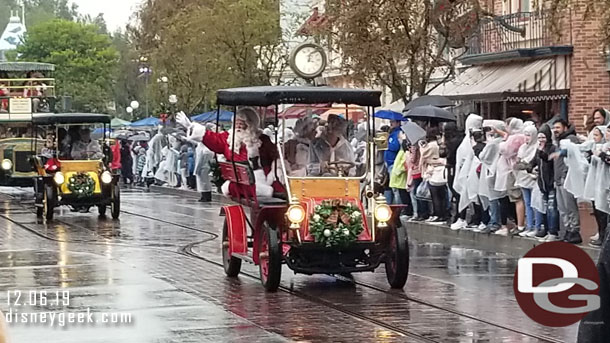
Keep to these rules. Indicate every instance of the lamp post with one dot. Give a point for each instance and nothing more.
(173, 100)
(145, 72)
(163, 84)
(133, 106)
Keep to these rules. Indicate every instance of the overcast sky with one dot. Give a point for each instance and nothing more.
(116, 12)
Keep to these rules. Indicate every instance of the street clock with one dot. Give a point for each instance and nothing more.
(308, 60)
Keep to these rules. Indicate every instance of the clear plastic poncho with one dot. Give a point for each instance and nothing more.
(465, 181)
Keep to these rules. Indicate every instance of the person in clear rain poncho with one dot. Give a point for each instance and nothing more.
(86, 148)
(465, 160)
(330, 147)
(154, 154)
(167, 171)
(296, 150)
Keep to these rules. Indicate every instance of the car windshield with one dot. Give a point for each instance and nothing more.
(325, 144)
(78, 142)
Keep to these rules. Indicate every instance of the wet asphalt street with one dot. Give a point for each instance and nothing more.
(161, 265)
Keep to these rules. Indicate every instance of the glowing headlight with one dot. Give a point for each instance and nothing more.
(7, 164)
(106, 177)
(296, 214)
(383, 213)
(59, 178)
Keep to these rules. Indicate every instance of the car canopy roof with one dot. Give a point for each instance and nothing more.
(25, 66)
(272, 95)
(70, 118)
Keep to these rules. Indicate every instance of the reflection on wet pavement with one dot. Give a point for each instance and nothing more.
(137, 265)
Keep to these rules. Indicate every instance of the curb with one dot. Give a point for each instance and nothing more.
(511, 245)
(427, 233)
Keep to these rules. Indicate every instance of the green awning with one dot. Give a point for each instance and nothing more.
(118, 122)
(25, 66)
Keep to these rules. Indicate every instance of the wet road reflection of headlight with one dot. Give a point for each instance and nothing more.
(7, 164)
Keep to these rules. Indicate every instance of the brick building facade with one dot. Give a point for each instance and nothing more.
(515, 66)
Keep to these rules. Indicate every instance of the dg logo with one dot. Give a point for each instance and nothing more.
(556, 284)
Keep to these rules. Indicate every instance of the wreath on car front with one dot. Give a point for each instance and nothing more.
(81, 184)
(336, 223)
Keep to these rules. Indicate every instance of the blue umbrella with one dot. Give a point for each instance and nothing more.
(150, 121)
(391, 115)
(225, 116)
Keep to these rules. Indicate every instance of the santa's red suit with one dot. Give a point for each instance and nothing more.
(266, 183)
(252, 147)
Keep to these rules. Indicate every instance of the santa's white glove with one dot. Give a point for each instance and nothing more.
(183, 120)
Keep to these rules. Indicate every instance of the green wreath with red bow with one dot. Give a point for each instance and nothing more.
(336, 223)
(81, 184)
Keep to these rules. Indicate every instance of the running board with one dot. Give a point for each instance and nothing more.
(242, 257)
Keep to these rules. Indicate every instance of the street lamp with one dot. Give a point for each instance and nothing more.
(173, 100)
(135, 105)
(145, 71)
(163, 84)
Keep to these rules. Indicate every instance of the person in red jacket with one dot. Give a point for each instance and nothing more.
(246, 144)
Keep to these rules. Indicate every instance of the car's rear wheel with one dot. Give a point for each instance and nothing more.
(232, 265)
(270, 258)
(397, 261)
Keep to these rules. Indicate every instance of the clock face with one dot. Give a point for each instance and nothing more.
(308, 60)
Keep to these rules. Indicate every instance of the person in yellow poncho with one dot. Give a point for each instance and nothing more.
(398, 177)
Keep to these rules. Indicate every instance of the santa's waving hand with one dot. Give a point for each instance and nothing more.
(246, 143)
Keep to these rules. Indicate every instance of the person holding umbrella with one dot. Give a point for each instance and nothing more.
(390, 154)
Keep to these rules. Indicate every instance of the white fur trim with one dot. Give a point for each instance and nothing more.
(225, 187)
(260, 177)
(253, 151)
(264, 190)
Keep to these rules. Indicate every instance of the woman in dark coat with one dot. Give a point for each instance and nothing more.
(126, 162)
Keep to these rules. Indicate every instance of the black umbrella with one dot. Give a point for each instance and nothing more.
(431, 113)
(434, 100)
(413, 131)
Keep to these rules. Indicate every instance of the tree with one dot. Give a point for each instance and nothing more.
(85, 61)
(202, 46)
(396, 44)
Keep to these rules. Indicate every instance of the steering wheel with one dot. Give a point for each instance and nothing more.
(340, 167)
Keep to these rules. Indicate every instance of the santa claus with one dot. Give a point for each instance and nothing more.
(247, 143)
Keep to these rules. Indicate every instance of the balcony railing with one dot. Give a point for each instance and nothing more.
(523, 30)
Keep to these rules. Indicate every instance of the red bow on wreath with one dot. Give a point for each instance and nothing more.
(163, 117)
(338, 215)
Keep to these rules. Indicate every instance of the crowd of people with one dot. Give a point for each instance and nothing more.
(504, 177)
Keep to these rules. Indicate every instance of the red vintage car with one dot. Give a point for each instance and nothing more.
(329, 220)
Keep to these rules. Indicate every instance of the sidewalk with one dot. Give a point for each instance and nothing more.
(427, 233)
(512, 245)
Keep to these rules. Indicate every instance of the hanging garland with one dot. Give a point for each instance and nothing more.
(336, 223)
(81, 184)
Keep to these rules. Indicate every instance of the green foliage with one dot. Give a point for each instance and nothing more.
(202, 46)
(85, 61)
(336, 223)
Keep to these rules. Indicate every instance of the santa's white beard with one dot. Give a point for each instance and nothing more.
(246, 137)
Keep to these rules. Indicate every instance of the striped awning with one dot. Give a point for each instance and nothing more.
(545, 79)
